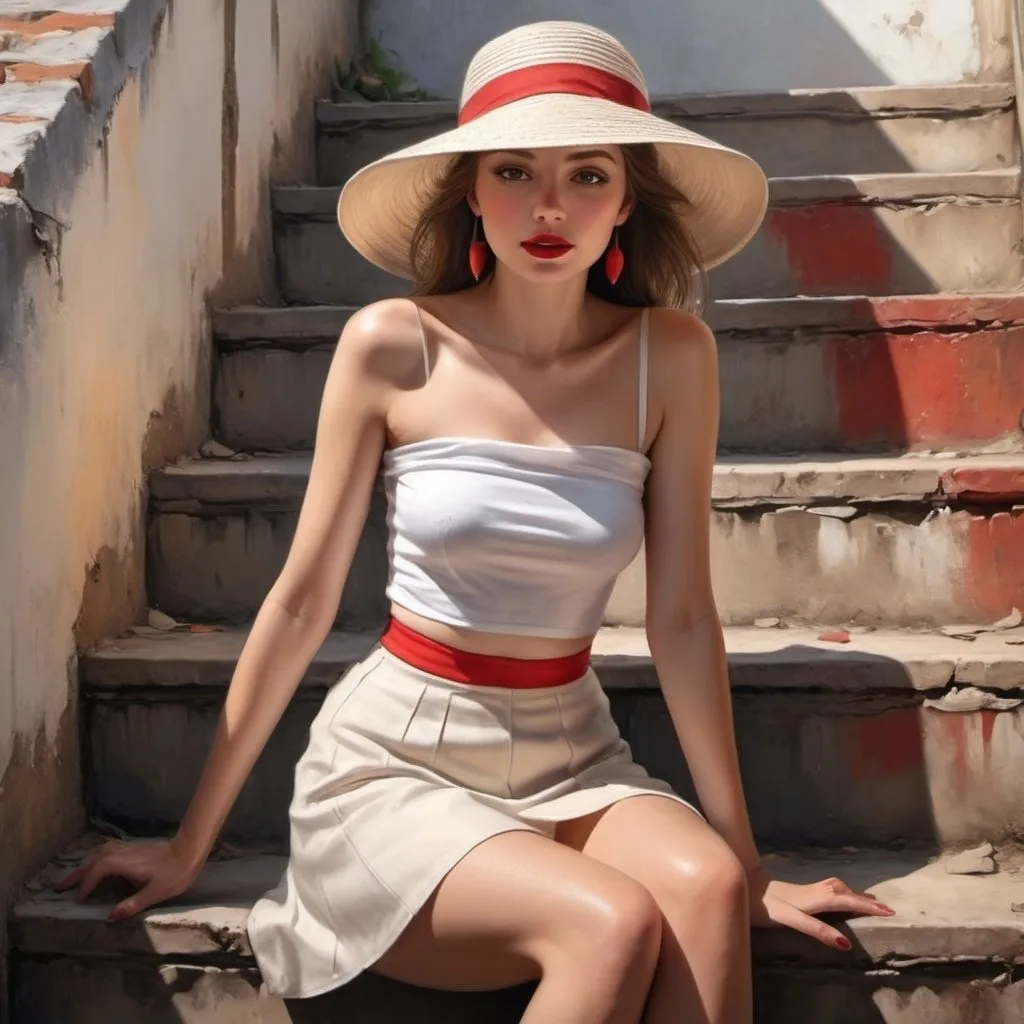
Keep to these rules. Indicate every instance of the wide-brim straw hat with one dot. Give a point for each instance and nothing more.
(552, 84)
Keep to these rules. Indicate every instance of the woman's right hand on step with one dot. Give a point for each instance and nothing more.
(159, 871)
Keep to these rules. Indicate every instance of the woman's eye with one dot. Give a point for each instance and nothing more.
(590, 177)
(511, 173)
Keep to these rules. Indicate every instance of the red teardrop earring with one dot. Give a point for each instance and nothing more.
(477, 252)
(614, 260)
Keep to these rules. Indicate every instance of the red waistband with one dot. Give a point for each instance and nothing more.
(480, 669)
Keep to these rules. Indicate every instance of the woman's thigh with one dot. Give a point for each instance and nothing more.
(666, 846)
(513, 904)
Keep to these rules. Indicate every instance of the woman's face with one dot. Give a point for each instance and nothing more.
(548, 213)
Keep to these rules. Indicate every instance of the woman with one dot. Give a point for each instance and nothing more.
(466, 815)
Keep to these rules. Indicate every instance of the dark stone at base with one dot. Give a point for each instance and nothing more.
(67, 991)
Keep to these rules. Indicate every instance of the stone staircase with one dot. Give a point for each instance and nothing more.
(869, 492)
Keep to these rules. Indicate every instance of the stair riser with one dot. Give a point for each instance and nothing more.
(853, 249)
(66, 991)
(800, 391)
(784, 146)
(268, 399)
(824, 769)
(831, 248)
(881, 568)
(316, 264)
(220, 569)
(896, 569)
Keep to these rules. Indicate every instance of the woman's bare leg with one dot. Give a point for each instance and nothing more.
(704, 973)
(520, 907)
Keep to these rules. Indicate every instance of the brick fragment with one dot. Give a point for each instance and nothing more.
(58, 21)
(25, 71)
(995, 484)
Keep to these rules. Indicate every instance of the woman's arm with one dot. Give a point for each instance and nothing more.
(300, 607)
(683, 629)
(378, 345)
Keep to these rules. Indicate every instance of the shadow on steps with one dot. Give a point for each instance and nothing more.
(371, 999)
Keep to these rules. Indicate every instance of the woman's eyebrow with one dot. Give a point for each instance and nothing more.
(589, 154)
(583, 154)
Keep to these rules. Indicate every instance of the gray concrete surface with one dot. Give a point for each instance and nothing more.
(821, 726)
(832, 540)
(189, 962)
(727, 45)
(905, 234)
(791, 373)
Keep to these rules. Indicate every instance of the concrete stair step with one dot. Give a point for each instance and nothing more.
(926, 372)
(901, 234)
(944, 128)
(905, 541)
(891, 738)
(948, 956)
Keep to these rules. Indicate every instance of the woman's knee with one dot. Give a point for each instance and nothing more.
(714, 885)
(615, 925)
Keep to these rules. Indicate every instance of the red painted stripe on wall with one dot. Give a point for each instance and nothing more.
(886, 745)
(929, 388)
(834, 249)
(994, 571)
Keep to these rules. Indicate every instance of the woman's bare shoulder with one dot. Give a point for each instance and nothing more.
(382, 340)
(678, 326)
(683, 350)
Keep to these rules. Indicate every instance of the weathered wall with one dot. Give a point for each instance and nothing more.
(104, 340)
(729, 44)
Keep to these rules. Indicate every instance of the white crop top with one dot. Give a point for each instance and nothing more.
(515, 538)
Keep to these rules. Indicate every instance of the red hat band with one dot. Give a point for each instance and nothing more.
(577, 79)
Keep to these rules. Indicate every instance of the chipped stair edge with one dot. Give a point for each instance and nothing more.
(284, 326)
(943, 916)
(934, 665)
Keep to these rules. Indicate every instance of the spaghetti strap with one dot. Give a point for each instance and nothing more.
(643, 373)
(423, 342)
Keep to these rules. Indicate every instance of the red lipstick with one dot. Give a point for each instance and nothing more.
(546, 246)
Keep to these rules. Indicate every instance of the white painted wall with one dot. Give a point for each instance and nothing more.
(105, 353)
(724, 45)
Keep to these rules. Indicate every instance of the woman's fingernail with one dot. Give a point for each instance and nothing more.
(844, 944)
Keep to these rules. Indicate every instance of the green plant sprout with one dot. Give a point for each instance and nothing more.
(376, 76)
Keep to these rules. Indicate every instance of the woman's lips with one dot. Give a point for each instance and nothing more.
(547, 247)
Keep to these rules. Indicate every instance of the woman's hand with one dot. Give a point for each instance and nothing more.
(159, 871)
(794, 906)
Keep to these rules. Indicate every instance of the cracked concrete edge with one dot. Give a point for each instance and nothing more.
(319, 202)
(19, 244)
(760, 661)
(297, 326)
(47, 174)
(973, 99)
(942, 919)
(908, 187)
(221, 486)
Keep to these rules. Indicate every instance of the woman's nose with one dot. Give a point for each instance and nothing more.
(548, 206)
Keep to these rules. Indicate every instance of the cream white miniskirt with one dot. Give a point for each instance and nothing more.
(405, 773)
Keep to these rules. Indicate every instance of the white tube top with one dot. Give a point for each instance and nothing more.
(514, 538)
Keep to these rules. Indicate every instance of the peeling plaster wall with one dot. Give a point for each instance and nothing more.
(105, 353)
(729, 44)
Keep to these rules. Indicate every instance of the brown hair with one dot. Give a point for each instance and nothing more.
(662, 264)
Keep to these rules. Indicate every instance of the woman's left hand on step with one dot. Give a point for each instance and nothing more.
(789, 905)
